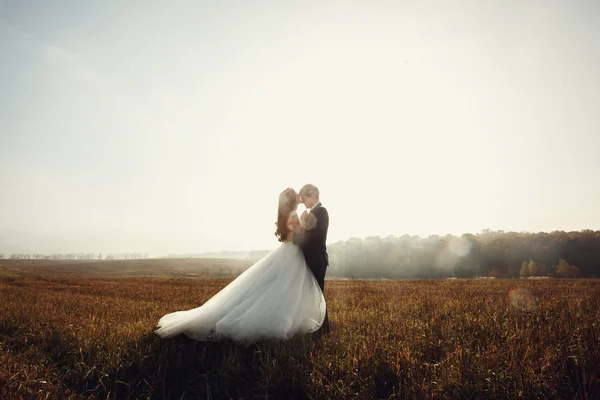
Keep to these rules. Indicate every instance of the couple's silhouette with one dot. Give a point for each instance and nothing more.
(278, 297)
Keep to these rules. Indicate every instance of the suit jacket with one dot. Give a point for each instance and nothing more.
(312, 242)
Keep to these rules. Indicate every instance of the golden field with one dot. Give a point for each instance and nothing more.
(91, 337)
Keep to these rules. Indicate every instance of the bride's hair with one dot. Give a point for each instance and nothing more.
(288, 201)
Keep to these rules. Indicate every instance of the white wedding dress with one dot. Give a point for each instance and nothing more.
(277, 297)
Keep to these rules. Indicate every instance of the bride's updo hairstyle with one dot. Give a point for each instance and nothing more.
(288, 200)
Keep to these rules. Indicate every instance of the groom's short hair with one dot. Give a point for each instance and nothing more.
(309, 190)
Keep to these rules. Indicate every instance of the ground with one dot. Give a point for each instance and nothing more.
(64, 334)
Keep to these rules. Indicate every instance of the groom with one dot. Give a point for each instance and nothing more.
(312, 241)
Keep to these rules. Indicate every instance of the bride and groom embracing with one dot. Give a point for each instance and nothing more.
(278, 297)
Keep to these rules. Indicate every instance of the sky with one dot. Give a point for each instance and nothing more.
(172, 127)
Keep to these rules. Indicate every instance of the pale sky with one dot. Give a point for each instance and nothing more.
(172, 126)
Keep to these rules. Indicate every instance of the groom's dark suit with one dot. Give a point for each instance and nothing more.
(312, 243)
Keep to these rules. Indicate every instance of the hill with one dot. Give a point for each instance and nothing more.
(225, 254)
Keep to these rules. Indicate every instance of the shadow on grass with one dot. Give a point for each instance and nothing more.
(183, 368)
(178, 368)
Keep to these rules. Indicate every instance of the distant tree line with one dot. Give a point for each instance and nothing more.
(496, 254)
(78, 256)
(488, 254)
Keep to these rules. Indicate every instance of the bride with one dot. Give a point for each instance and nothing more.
(277, 297)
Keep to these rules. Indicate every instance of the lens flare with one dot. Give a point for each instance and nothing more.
(452, 252)
(522, 299)
(460, 246)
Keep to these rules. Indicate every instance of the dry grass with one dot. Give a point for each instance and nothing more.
(82, 337)
(164, 268)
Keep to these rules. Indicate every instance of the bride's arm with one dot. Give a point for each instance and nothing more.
(294, 221)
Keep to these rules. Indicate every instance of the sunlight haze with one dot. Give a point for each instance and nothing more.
(172, 127)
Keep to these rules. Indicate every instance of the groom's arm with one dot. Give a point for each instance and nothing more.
(316, 235)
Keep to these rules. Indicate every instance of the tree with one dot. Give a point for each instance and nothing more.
(491, 253)
(565, 270)
(532, 268)
(524, 269)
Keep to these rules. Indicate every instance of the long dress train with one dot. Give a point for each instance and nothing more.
(277, 297)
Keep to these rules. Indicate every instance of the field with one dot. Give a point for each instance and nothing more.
(171, 268)
(84, 337)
